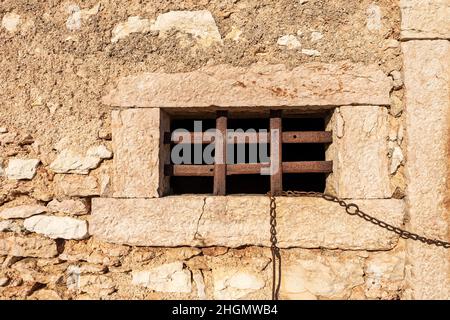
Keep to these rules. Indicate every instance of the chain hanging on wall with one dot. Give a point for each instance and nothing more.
(351, 209)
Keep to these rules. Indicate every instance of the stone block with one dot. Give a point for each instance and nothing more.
(27, 246)
(312, 84)
(234, 221)
(427, 84)
(137, 140)
(360, 153)
(425, 19)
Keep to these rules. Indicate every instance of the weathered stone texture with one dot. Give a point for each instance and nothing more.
(314, 276)
(136, 143)
(69, 161)
(360, 153)
(31, 246)
(76, 185)
(22, 212)
(231, 284)
(427, 82)
(425, 19)
(228, 221)
(21, 169)
(259, 85)
(72, 207)
(57, 227)
(165, 278)
(200, 24)
(169, 221)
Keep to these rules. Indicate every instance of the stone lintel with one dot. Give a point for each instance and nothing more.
(234, 221)
(312, 84)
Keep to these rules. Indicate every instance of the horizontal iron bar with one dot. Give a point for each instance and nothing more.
(242, 137)
(187, 170)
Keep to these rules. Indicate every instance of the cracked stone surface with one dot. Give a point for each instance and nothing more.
(312, 84)
(234, 221)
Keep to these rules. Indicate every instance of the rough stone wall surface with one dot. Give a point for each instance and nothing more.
(427, 82)
(58, 150)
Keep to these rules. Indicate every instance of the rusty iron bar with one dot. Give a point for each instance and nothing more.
(188, 170)
(276, 177)
(220, 158)
(258, 137)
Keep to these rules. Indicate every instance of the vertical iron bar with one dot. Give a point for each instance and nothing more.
(220, 167)
(276, 177)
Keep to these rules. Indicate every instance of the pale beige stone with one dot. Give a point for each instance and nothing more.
(316, 276)
(200, 24)
(313, 84)
(70, 206)
(360, 155)
(234, 221)
(427, 84)
(22, 212)
(57, 227)
(78, 16)
(289, 41)
(374, 17)
(27, 246)
(231, 284)
(385, 273)
(97, 285)
(311, 52)
(197, 277)
(168, 221)
(425, 19)
(11, 21)
(234, 34)
(171, 277)
(137, 140)
(69, 161)
(76, 185)
(21, 169)
(133, 25)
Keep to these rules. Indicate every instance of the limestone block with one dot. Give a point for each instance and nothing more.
(169, 277)
(21, 212)
(360, 153)
(314, 276)
(425, 19)
(69, 161)
(76, 185)
(234, 221)
(21, 169)
(57, 227)
(27, 246)
(231, 284)
(313, 84)
(138, 171)
(385, 273)
(70, 206)
(200, 24)
(427, 84)
(168, 221)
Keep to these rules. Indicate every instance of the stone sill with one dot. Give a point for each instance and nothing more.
(234, 221)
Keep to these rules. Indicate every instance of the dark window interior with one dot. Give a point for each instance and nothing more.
(259, 184)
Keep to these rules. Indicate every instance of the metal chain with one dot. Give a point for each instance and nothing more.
(276, 256)
(351, 209)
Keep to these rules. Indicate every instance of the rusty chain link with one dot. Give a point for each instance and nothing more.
(276, 256)
(351, 209)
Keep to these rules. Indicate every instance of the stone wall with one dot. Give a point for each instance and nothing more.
(72, 228)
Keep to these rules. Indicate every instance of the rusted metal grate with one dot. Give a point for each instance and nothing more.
(220, 169)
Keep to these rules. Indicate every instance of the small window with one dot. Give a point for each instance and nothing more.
(244, 159)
